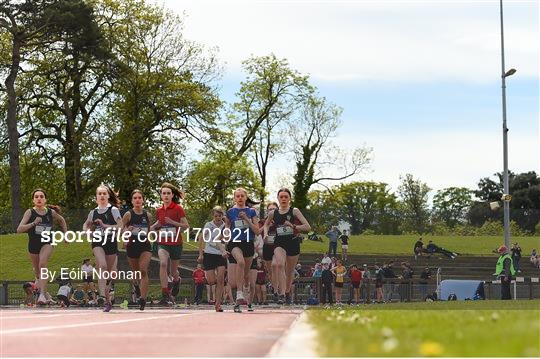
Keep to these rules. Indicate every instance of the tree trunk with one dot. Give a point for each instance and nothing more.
(13, 134)
(72, 170)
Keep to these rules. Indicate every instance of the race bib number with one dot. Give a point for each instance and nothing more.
(270, 239)
(136, 230)
(40, 228)
(284, 231)
(240, 224)
(167, 232)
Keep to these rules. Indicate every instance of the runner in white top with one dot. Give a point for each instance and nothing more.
(213, 256)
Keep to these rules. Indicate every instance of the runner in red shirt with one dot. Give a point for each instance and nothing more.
(171, 220)
(356, 278)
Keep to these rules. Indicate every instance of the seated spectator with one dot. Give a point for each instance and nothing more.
(64, 292)
(418, 248)
(31, 290)
(533, 258)
(78, 296)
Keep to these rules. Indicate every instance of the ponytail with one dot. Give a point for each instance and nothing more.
(113, 196)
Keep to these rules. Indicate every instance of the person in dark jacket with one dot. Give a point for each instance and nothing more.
(433, 248)
(504, 270)
(327, 279)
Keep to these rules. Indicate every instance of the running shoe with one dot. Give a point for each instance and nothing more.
(175, 288)
(237, 309)
(165, 300)
(240, 300)
(288, 299)
(142, 303)
(108, 307)
(219, 309)
(137, 291)
(250, 308)
(41, 300)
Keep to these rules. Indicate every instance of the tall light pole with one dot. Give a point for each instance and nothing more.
(506, 195)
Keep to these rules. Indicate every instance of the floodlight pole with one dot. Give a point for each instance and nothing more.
(506, 190)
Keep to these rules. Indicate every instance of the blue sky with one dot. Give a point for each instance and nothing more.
(419, 81)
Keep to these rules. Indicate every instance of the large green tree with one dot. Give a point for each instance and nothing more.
(451, 205)
(164, 99)
(414, 199)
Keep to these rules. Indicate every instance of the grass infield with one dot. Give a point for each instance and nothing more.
(450, 329)
(14, 262)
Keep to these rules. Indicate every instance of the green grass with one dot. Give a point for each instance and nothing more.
(486, 328)
(14, 262)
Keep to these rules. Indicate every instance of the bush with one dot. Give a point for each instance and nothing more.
(368, 232)
(537, 228)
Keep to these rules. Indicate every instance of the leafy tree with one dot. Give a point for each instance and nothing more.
(451, 205)
(312, 149)
(269, 95)
(414, 198)
(31, 25)
(163, 100)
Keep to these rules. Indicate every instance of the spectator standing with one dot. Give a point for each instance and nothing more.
(425, 276)
(504, 270)
(418, 248)
(406, 276)
(366, 276)
(339, 272)
(199, 279)
(326, 259)
(356, 277)
(317, 272)
(379, 275)
(333, 235)
(516, 256)
(388, 272)
(327, 278)
(344, 245)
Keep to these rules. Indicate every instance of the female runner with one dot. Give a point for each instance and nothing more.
(242, 224)
(139, 251)
(171, 220)
(213, 255)
(37, 221)
(104, 221)
(289, 222)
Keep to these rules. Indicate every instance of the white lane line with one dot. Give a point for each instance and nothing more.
(35, 316)
(88, 324)
(300, 332)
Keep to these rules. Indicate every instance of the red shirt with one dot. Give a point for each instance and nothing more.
(176, 213)
(198, 276)
(356, 275)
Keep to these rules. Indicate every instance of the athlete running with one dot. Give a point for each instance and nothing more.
(288, 222)
(139, 251)
(171, 220)
(104, 221)
(213, 255)
(37, 221)
(242, 225)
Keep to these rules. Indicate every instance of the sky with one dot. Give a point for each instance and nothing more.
(418, 81)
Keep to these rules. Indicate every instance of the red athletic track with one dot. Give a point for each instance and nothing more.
(131, 333)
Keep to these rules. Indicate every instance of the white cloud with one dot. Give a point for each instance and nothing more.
(386, 40)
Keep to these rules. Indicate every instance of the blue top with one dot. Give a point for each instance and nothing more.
(240, 230)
